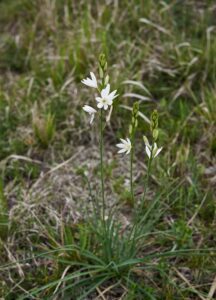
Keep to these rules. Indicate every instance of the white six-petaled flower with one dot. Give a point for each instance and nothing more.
(125, 146)
(151, 152)
(106, 98)
(91, 111)
(92, 82)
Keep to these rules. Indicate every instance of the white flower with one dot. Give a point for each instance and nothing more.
(92, 82)
(155, 151)
(125, 146)
(106, 98)
(90, 110)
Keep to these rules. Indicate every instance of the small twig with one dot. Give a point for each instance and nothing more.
(62, 277)
(189, 284)
(20, 157)
(125, 292)
(212, 290)
(197, 211)
(14, 260)
(101, 294)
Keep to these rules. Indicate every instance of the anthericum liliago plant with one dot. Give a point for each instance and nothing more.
(104, 101)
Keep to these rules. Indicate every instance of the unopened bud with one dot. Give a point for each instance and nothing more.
(145, 140)
(155, 134)
(154, 120)
(136, 108)
(106, 80)
(130, 129)
(102, 61)
(101, 72)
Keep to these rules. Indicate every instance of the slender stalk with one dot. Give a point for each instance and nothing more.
(93, 200)
(101, 165)
(131, 170)
(147, 180)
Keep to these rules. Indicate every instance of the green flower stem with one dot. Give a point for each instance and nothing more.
(131, 170)
(101, 165)
(147, 180)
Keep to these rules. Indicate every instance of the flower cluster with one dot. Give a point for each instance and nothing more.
(152, 151)
(105, 98)
(126, 145)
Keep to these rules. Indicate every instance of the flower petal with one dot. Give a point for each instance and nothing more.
(93, 78)
(124, 141)
(128, 140)
(120, 145)
(158, 151)
(89, 109)
(92, 82)
(99, 105)
(148, 152)
(122, 150)
(128, 151)
(112, 95)
(109, 101)
(105, 92)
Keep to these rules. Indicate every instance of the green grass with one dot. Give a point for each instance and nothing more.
(51, 245)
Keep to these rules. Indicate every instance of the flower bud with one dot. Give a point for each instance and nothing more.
(155, 134)
(106, 80)
(130, 129)
(105, 67)
(145, 140)
(101, 73)
(155, 149)
(134, 121)
(136, 108)
(102, 61)
(154, 120)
